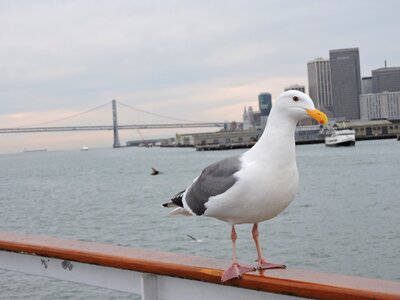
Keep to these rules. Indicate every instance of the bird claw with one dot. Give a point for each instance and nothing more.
(235, 271)
(267, 266)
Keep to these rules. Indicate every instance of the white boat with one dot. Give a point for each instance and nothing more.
(85, 148)
(342, 137)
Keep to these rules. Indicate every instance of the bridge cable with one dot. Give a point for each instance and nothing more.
(155, 114)
(68, 117)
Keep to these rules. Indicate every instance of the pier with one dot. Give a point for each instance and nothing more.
(160, 275)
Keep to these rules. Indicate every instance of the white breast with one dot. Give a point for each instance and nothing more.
(260, 193)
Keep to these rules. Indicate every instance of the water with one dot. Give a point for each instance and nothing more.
(345, 218)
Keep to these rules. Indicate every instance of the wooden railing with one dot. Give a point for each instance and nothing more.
(171, 276)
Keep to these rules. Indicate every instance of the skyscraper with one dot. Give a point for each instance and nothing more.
(319, 84)
(366, 85)
(386, 80)
(265, 105)
(296, 87)
(346, 83)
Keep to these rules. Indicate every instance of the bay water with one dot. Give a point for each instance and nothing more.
(345, 218)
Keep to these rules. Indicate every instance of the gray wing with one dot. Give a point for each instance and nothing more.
(216, 179)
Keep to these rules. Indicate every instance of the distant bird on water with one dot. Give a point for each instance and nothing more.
(155, 172)
(256, 185)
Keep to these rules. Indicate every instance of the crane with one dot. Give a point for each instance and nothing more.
(141, 136)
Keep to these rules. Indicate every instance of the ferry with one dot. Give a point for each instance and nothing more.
(342, 137)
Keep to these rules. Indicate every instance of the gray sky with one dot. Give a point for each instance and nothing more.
(196, 60)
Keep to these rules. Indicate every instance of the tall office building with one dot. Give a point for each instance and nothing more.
(346, 83)
(386, 80)
(296, 87)
(319, 84)
(366, 85)
(265, 105)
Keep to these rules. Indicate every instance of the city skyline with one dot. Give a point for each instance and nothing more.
(196, 61)
(336, 86)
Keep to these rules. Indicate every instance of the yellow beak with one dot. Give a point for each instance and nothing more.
(318, 115)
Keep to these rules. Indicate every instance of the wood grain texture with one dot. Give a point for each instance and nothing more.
(289, 282)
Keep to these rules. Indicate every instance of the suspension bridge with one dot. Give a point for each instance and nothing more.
(114, 127)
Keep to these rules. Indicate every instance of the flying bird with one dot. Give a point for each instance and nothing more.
(254, 186)
(194, 239)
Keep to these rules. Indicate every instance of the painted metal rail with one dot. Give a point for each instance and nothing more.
(160, 275)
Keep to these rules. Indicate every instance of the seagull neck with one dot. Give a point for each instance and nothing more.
(278, 135)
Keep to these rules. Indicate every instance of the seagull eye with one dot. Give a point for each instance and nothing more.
(295, 98)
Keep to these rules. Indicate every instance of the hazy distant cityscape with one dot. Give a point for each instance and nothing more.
(370, 105)
(337, 88)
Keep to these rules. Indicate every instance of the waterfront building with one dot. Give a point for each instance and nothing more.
(303, 135)
(308, 134)
(345, 83)
(319, 84)
(218, 138)
(372, 129)
(380, 106)
(296, 87)
(366, 85)
(386, 80)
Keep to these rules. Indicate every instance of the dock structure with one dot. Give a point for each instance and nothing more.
(209, 147)
(160, 275)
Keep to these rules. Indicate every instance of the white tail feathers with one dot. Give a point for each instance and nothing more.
(180, 211)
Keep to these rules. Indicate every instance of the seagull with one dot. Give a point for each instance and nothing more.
(155, 172)
(254, 186)
(194, 239)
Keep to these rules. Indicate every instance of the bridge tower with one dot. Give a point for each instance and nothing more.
(115, 125)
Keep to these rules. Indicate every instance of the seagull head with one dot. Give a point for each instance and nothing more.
(299, 106)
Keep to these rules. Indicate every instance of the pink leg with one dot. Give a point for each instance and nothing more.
(235, 270)
(262, 264)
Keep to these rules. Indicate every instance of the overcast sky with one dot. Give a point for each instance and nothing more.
(196, 60)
